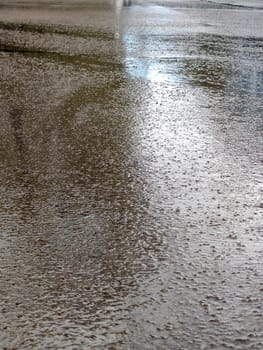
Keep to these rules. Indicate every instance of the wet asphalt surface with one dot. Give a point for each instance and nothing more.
(130, 175)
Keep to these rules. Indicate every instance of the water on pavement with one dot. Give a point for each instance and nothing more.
(131, 195)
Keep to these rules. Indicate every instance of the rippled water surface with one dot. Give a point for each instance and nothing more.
(130, 175)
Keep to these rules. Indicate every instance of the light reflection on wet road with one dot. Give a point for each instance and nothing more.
(130, 154)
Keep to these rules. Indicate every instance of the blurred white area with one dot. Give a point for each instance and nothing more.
(120, 3)
(246, 3)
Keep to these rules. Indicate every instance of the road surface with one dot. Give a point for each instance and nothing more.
(130, 175)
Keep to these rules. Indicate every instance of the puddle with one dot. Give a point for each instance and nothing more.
(129, 177)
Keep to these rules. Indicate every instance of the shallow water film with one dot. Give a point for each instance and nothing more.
(130, 175)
